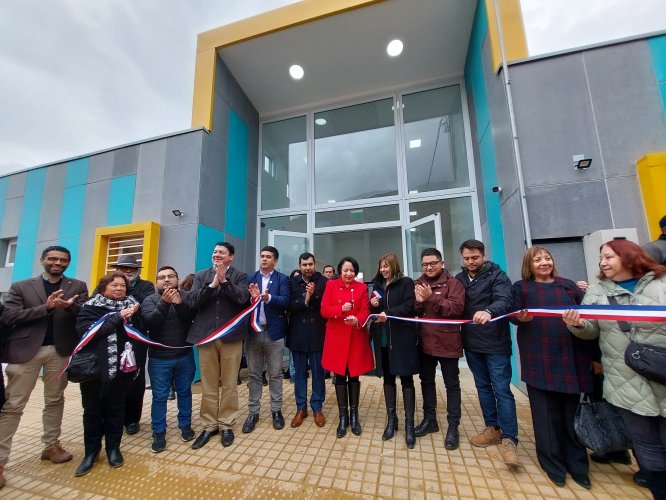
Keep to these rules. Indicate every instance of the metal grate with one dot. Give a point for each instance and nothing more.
(124, 244)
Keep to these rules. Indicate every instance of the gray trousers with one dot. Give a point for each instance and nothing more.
(259, 348)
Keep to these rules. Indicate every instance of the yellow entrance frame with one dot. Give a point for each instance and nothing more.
(651, 170)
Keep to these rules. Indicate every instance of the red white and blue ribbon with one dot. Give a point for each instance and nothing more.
(231, 325)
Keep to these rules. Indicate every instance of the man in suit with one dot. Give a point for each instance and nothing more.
(267, 346)
(218, 293)
(42, 312)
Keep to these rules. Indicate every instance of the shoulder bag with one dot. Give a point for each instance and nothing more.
(83, 367)
(599, 426)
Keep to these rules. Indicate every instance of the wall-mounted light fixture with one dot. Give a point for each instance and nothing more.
(497, 189)
(581, 163)
(178, 213)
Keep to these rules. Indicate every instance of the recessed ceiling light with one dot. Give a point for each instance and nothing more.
(415, 143)
(320, 121)
(394, 48)
(331, 201)
(414, 213)
(296, 72)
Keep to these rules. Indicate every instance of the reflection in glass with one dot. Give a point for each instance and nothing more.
(352, 216)
(457, 224)
(419, 238)
(284, 165)
(355, 153)
(294, 223)
(435, 140)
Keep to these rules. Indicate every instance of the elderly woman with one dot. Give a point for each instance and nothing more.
(396, 342)
(555, 366)
(103, 398)
(629, 276)
(346, 345)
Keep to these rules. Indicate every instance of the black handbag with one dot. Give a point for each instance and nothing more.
(647, 360)
(83, 367)
(600, 427)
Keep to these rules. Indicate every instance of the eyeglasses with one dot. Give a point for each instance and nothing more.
(426, 265)
(167, 277)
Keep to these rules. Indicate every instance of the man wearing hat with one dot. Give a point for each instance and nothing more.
(657, 248)
(139, 289)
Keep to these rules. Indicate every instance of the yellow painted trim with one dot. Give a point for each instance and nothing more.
(651, 171)
(209, 42)
(513, 28)
(151, 241)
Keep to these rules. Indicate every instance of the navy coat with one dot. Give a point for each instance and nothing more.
(276, 309)
(307, 327)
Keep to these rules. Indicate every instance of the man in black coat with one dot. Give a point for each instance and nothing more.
(488, 348)
(306, 338)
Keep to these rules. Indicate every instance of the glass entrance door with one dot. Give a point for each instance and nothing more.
(419, 235)
(290, 245)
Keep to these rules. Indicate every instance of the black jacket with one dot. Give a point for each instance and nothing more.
(307, 327)
(141, 290)
(167, 324)
(403, 354)
(489, 290)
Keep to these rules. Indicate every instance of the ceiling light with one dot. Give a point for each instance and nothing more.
(296, 72)
(413, 214)
(394, 48)
(415, 143)
(331, 201)
(320, 121)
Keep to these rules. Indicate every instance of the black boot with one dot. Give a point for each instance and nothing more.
(391, 416)
(656, 483)
(341, 395)
(354, 395)
(115, 457)
(452, 440)
(409, 399)
(86, 464)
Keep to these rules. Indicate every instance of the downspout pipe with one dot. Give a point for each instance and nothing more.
(514, 132)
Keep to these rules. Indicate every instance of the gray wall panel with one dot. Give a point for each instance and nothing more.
(100, 167)
(177, 248)
(148, 192)
(94, 216)
(627, 104)
(12, 217)
(37, 267)
(514, 240)
(49, 220)
(16, 185)
(568, 257)
(244, 257)
(568, 210)
(125, 161)
(627, 205)
(5, 278)
(182, 181)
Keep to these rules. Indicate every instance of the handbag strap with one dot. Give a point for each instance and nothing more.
(624, 325)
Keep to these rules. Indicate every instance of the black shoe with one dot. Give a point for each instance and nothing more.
(159, 442)
(250, 423)
(172, 395)
(264, 380)
(132, 428)
(86, 464)
(286, 375)
(227, 437)
(115, 457)
(186, 433)
(584, 481)
(238, 380)
(278, 420)
(203, 438)
(556, 480)
(452, 439)
(641, 479)
(427, 426)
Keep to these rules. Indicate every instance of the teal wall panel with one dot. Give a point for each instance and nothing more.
(236, 192)
(121, 200)
(29, 227)
(206, 239)
(77, 172)
(657, 46)
(73, 204)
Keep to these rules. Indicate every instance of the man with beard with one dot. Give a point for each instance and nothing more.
(43, 312)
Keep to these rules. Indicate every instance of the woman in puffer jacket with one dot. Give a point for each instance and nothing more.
(630, 276)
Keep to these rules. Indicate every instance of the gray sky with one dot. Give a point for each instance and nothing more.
(84, 75)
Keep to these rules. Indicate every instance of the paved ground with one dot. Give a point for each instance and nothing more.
(307, 462)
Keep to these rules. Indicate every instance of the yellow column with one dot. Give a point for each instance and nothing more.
(652, 179)
(513, 29)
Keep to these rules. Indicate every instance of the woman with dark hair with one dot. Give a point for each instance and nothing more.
(347, 350)
(395, 341)
(103, 398)
(629, 276)
(555, 366)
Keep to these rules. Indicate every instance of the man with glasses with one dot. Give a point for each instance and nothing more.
(439, 296)
(168, 317)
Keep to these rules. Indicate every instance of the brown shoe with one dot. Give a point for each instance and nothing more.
(319, 419)
(510, 454)
(298, 418)
(2, 476)
(488, 436)
(56, 454)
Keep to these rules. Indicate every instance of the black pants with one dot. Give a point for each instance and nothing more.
(137, 388)
(103, 413)
(451, 375)
(389, 379)
(558, 450)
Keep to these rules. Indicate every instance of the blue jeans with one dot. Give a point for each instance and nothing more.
(492, 377)
(301, 360)
(162, 371)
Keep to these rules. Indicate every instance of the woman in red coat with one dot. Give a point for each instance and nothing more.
(347, 350)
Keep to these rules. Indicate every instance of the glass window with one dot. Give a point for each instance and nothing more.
(294, 223)
(355, 153)
(457, 224)
(357, 216)
(435, 140)
(284, 172)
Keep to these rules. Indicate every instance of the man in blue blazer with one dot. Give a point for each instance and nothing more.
(267, 346)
